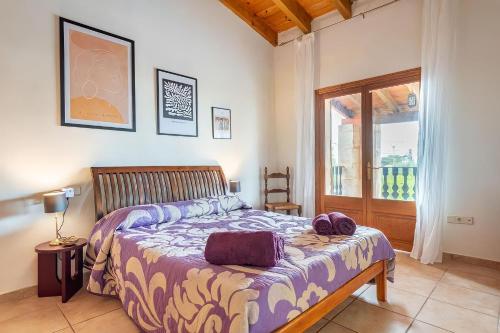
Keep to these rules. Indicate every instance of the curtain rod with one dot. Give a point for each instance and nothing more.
(344, 20)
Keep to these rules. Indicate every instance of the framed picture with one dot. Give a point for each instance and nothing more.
(97, 78)
(221, 123)
(177, 104)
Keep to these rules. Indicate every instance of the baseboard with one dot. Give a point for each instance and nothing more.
(20, 294)
(471, 260)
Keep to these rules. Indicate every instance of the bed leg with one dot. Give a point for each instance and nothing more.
(381, 281)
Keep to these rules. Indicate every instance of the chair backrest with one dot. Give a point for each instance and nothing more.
(268, 176)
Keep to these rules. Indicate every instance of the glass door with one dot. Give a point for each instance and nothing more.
(343, 164)
(392, 166)
(366, 152)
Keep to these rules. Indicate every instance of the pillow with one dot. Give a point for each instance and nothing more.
(144, 215)
(230, 202)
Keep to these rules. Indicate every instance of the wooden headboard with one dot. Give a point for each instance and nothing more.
(118, 187)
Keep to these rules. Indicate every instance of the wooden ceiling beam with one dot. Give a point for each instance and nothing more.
(252, 20)
(344, 8)
(296, 13)
(388, 100)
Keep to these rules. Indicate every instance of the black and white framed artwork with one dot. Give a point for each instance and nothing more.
(177, 104)
(221, 123)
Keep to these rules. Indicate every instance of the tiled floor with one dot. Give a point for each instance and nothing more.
(452, 297)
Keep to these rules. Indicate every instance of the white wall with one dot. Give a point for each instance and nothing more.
(388, 40)
(474, 135)
(199, 38)
(385, 41)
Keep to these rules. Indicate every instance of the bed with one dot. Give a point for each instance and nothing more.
(147, 249)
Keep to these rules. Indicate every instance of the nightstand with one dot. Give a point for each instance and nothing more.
(60, 269)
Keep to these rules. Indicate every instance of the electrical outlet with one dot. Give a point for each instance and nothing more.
(70, 192)
(460, 219)
(468, 220)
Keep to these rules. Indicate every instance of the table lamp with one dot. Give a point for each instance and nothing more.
(234, 186)
(56, 202)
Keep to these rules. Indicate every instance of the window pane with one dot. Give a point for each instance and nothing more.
(343, 146)
(395, 142)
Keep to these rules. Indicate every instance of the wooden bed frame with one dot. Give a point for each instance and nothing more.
(118, 187)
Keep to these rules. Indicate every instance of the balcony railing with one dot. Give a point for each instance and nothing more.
(337, 180)
(399, 183)
(396, 183)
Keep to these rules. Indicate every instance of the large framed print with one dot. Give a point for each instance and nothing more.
(177, 104)
(97, 78)
(221, 123)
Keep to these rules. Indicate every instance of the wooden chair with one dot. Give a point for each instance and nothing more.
(287, 206)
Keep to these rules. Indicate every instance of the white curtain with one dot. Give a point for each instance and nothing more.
(304, 108)
(438, 40)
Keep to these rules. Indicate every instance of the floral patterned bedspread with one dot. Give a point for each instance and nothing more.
(151, 257)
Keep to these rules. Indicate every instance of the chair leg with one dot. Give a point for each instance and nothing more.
(288, 212)
(299, 211)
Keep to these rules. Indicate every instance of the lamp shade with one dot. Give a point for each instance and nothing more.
(54, 202)
(234, 186)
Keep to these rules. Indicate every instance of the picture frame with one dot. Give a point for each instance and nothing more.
(97, 78)
(176, 104)
(221, 123)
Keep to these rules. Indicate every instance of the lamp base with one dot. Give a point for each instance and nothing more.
(55, 242)
(64, 241)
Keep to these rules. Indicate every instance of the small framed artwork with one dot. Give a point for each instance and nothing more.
(177, 104)
(221, 123)
(97, 78)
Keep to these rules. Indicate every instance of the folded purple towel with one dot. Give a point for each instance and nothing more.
(322, 225)
(255, 248)
(342, 224)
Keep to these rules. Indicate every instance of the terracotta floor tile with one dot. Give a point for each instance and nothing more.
(366, 318)
(84, 306)
(46, 320)
(316, 327)
(415, 284)
(456, 319)
(360, 290)
(473, 281)
(457, 266)
(339, 308)
(13, 308)
(335, 328)
(421, 327)
(467, 298)
(419, 270)
(115, 321)
(66, 330)
(399, 301)
(404, 258)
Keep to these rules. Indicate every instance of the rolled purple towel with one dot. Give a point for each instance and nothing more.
(322, 225)
(254, 248)
(342, 224)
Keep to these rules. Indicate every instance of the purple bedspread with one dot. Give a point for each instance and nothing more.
(151, 257)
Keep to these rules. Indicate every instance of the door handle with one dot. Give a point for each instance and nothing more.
(369, 169)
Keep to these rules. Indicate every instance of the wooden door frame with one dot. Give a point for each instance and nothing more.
(364, 87)
(320, 145)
